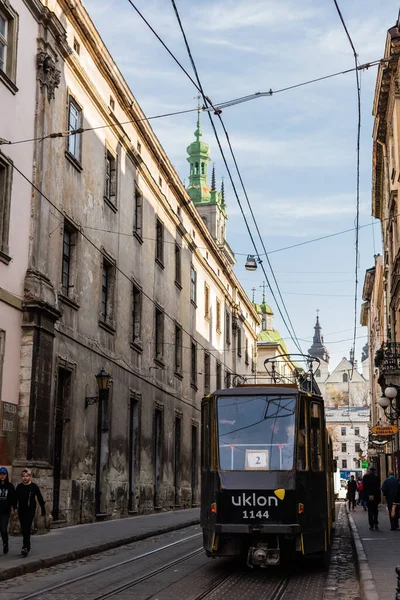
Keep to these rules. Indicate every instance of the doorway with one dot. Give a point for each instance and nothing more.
(133, 453)
(61, 404)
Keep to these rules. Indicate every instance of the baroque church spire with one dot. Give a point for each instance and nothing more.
(318, 349)
(213, 179)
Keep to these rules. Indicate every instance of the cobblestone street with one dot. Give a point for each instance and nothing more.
(342, 579)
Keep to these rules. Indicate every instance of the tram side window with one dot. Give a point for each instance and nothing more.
(205, 438)
(301, 438)
(316, 437)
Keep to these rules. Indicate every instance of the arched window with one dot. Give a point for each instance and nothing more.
(196, 168)
(345, 378)
(264, 323)
(202, 168)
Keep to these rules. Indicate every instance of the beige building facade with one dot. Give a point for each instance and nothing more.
(125, 276)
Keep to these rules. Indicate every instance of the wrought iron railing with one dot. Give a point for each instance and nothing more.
(387, 358)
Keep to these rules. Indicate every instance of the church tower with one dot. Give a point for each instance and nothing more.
(318, 349)
(209, 202)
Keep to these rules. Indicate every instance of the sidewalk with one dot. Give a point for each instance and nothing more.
(70, 543)
(378, 555)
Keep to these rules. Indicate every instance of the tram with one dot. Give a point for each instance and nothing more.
(267, 492)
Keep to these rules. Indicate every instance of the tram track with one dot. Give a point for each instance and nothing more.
(74, 580)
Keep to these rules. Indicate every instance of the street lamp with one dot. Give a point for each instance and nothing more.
(251, 263)
(391, 410)
(103, 382)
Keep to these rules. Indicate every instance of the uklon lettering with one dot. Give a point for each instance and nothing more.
(253, 500)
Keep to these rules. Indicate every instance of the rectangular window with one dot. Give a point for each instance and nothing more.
(177, 466)
(194, 464)
(193, 285)
(66, 261)
(357, 447)
(159, 334)
(159, 241)
(207, 375)
(343, 430)
(74, 123)
(206, 302)
(178, 349)
(110, 184)
(178, 265)
(239, 342)
(138, 214)
(316, 437)
(77, 46)
(6, 172)
(356, 431)
(8, 41)
(219, 375)
(344, 447)
(302, 458)
(246, 351)
(218, 316)
(139, 147)
(227, 327)
(136, 314)
(193, 364)
(158, 454)
(107, 292)
(344, 464)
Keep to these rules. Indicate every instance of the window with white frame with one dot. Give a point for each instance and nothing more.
(138, 214)
(74, 123)
(8, 40)
(6, 172)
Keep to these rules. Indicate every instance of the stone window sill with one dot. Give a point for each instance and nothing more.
(178, 375)
(4, 258)
(107, 327)
(138, 237)
(160, 362)
(8, 82)
(137, 346)
(69, 301)
(160, 263)
(194, 386)
(74, 161)
(178, 285)
(111, 204)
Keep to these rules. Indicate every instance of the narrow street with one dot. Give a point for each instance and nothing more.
(173, 566)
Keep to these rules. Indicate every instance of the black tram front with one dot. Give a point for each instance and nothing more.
(267, 486)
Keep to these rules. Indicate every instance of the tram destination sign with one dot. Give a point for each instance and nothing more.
(384, 430)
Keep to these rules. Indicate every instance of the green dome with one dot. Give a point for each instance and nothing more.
(263, 309)
(272, 336)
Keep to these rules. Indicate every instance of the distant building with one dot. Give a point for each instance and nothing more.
(349, 429)
(319, 351)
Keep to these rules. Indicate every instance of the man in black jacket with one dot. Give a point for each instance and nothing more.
(351, 493)
(26, 494)
(371, 490)
(7, 502)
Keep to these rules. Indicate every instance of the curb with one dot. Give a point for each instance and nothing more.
(43, 563)
(365, 578)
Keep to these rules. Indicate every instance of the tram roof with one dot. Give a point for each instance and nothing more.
(247, 390)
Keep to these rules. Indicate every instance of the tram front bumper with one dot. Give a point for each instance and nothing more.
(285, 528)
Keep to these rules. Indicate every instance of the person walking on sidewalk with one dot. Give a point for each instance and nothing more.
(390, 491)
(371, 489)
(351, 493)
(26, 494)
(7, 502)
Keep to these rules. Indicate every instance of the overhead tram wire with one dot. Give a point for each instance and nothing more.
(357, 219)
(218, 113)
(219, 106)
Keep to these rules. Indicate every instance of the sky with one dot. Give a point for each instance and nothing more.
(296, 150)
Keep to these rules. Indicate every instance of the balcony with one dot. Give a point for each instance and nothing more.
(387, 358)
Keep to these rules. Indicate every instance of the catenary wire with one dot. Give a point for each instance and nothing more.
(208, 101)
(357, 219)
(219, 106)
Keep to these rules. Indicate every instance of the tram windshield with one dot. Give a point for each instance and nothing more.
(256, 432)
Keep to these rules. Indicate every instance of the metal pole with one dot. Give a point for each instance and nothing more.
(397, 596)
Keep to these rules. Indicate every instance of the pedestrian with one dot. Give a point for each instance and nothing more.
(351, 493)
(26, 494)
(371, 489)
(7, 502)
(361, 494)
(390, 491)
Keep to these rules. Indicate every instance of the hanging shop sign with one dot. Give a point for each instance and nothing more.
(364, 464)
(384, 430)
